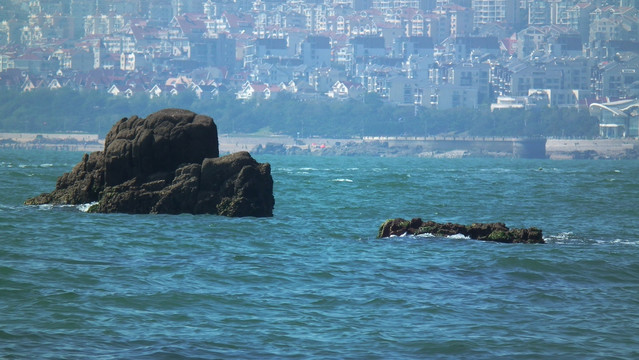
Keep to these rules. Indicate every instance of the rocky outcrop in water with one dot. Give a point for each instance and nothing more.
(497, 232)
(166, 163)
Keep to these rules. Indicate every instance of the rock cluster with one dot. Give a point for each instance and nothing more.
(489, 232)
(166, 163)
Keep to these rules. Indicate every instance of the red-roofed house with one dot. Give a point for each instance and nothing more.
(508, 45)
(125, 91)
(237, 24)
(36, 63)
(27, 85)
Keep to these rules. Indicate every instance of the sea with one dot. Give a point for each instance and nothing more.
(314, 281)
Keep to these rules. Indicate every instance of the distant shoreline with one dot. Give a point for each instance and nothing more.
(52, 141)
(556, 149)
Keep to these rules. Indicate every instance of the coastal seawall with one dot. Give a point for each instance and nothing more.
(567, 149)
(393, 146)
(452, 147)
(54, 141)
(433, 146)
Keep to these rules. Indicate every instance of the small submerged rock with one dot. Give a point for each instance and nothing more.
(497, 232)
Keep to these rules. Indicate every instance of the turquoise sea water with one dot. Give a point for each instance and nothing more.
(313, 282)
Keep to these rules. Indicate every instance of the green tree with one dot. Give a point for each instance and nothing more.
(90, 111)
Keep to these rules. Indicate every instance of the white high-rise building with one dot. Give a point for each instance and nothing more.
(493, 11)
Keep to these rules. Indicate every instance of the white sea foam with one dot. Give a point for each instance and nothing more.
(46, 165)
(342, 180)
(459, 236)
(425, 235)
(561, 238)
(81, 207)
(85, 207)
(625, 242)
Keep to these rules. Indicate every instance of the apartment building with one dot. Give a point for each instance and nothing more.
(493, 11)
(618, 79)
(470, 75)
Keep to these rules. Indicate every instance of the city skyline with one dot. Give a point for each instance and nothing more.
(438, 54)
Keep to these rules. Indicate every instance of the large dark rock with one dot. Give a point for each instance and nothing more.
(489, 232)
(166, 163)
(137, 147)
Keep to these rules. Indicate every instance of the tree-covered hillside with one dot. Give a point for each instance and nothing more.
(64, 110)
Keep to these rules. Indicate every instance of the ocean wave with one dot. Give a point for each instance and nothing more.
(29, 166)
(314, 282)
(565, 238)
(342, 180)
(625, 242)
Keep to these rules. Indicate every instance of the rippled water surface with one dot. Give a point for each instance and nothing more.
(313, 282)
